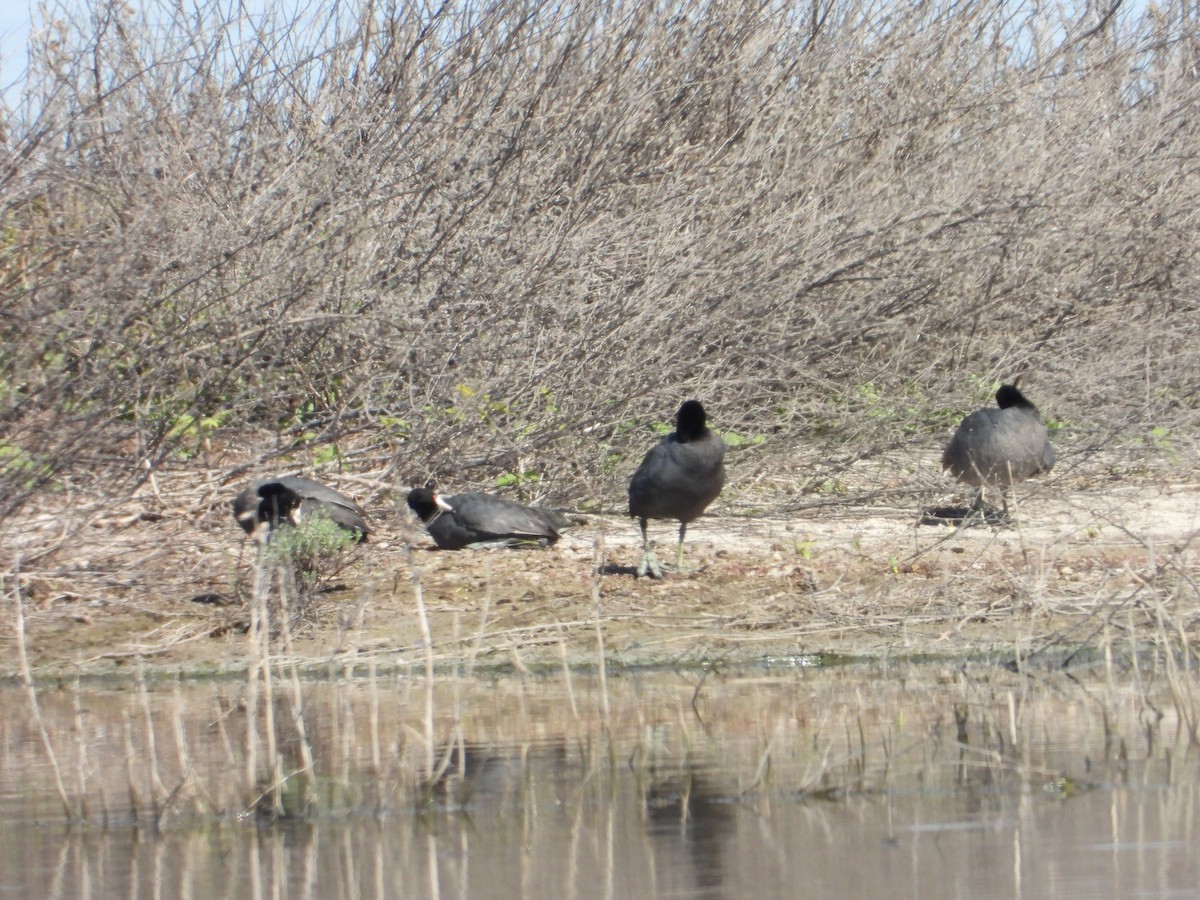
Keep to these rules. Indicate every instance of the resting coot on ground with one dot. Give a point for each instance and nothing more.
(678, 479)
(289, 500)
(1000, 447)
(476, 521)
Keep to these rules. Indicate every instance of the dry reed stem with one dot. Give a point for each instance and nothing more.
(81, 758)
(427, 646)
(845, 743)
(258, 623)
(601, 657)
(158, 789)
(266, 679)
(131, 779)
(183, 756)
(566, 673)
(296, 705)
(31, 691)
(373, 717)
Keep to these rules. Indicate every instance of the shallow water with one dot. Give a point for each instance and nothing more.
(850, 781)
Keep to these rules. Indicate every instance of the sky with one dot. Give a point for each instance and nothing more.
(14, 30)
(16, 16)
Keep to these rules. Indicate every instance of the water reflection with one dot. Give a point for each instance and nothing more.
(690, 820)
(813, 783)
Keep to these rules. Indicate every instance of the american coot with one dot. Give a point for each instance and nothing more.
(678, 479)
(289, 500)
(1000, 447)
(475, 521)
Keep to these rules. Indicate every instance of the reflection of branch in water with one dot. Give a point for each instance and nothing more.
(686, 810)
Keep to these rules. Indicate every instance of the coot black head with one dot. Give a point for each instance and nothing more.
(270, 503)
(691, 422)
(1010, 396)
(426, 503)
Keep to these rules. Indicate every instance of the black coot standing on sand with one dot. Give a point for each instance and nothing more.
(478, 521)
(1001, 446)
(289, 500)
(678, 479)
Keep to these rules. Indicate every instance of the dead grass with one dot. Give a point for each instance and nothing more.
(498, 250)
(1090, 565)
(168, 756)
(419, 244)
(383, 700)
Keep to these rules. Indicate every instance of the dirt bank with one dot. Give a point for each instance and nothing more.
(1089, 562)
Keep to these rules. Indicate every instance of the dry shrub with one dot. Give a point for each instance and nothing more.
(464, 241)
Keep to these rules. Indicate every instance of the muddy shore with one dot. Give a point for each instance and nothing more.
(1086, 564)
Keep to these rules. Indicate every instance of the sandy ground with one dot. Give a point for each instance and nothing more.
(1091, 560)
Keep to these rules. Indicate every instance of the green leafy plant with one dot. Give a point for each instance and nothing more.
(613, 462)
(1160, 440)
(909, 408)
(312, 552)
(517, 479)
(734, 439)
(396, 426)
(325, 454)
(190, 431)
(18, 466)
